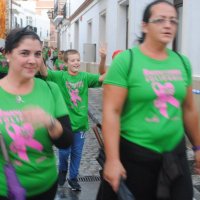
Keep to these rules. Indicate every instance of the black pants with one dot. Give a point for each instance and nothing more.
(143, 167)
(48, 195)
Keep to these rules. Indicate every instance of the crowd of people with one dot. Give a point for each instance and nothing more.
(148, 108)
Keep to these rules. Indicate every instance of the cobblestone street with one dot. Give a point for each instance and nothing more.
(89, 170)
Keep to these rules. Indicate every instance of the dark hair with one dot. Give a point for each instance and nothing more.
(2, 49)
(15, 36)
(69, 52)
(147, 14)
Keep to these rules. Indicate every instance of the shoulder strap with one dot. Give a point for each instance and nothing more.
(50, 89)
(182, 60)
(131, 61)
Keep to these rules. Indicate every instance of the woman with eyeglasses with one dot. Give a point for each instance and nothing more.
(147, 108)
(33, 118)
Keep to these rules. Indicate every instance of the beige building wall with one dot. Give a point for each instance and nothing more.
(48, 5)
(42, 4)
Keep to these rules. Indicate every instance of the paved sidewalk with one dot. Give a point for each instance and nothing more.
(89, 169)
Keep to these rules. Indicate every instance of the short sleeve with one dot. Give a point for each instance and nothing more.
(54, 75)
(118, 71)
(93, 80)
(188, 70)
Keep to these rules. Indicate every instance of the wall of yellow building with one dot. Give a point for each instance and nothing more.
(2, 19)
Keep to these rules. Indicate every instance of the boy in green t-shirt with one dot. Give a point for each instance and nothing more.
(74, 87)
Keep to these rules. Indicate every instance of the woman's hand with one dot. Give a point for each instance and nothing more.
(112, 173)
(37, 117)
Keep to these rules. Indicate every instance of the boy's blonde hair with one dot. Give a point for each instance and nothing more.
(69, 52)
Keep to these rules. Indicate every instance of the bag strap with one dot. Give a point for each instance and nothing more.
(131, 61)
(98, 136)
(50, 90)
(182, 60)
(4, 149)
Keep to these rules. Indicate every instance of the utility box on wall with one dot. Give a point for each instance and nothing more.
(89, 52)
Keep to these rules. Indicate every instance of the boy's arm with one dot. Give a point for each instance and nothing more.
(102, 64)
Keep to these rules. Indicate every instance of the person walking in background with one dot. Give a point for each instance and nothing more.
(146, 113)
(3, 63)
(45, 53)
(116, 52)
(74, 86)
(30, 125)
(59, 63)
(54, 55)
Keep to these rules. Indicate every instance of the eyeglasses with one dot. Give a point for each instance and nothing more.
(162, 21)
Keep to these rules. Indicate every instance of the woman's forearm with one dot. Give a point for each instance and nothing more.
(111, 135)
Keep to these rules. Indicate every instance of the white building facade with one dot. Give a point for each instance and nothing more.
(24, 14)
(117, 23)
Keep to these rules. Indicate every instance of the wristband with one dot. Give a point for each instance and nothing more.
(196, 148)
(52, 124)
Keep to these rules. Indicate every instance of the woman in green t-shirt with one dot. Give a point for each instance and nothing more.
(146, 107)
(59, 63)
(29, 124)
(3, 63)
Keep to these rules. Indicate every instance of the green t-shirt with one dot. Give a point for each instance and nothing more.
(30, 150)
(55, 53)
(152, 114)
(75, 93)
(59, 65)
(45, 53)
(3, 64)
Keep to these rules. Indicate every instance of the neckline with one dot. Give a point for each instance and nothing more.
(20, 97)
(153, 59)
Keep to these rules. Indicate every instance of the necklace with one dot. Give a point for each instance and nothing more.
(14, 89)
(19, 99)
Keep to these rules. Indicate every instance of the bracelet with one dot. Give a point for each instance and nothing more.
(196, 148)
(52, 124)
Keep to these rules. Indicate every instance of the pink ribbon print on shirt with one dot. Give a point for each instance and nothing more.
(22, 138)
(164, 94)
(75, 96)
(62, 66)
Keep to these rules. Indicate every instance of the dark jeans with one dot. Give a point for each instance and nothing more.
(143, 167)
(48, 195)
